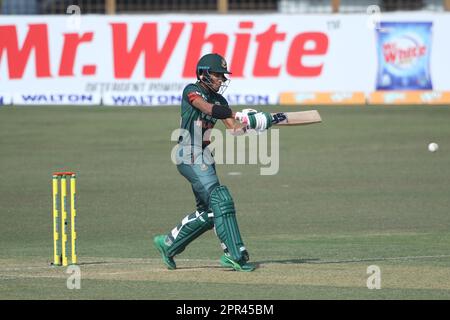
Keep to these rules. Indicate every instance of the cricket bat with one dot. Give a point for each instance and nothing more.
(296, 118)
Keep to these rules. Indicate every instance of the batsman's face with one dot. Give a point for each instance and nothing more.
(216, 80)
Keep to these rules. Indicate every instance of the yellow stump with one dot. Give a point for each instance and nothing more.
(60, 207)
(73, 214)
(64, 220)
(56, 253)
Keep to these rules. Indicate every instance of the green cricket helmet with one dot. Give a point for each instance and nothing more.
(212, 62)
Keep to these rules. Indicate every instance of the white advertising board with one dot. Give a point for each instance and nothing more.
(147, 60)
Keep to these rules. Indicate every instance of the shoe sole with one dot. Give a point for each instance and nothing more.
(231, 264)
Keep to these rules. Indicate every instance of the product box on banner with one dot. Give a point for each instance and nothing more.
(404, 53)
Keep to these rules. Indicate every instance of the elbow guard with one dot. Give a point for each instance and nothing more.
(221, 112)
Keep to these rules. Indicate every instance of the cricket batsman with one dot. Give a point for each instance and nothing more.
(202, 105)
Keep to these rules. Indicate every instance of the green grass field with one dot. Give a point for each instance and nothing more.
(359, 189)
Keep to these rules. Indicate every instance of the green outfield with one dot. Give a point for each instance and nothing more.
(360, 189)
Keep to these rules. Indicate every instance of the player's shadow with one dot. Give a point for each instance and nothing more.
(94, 263)
(288, 261)
(206, 267)
(257, 264)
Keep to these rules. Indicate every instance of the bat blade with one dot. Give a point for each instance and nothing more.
(296, 118)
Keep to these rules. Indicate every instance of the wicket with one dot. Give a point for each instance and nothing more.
(60, 208)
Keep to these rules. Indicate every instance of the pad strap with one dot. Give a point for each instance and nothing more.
(190, 228)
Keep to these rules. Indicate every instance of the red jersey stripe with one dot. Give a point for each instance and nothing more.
(192, 96)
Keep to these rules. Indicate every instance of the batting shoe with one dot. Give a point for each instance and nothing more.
(160, 244)
(227, 262)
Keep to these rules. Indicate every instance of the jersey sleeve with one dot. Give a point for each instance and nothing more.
(190, 93)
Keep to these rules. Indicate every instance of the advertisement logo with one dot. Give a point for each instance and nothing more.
(404, 56)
